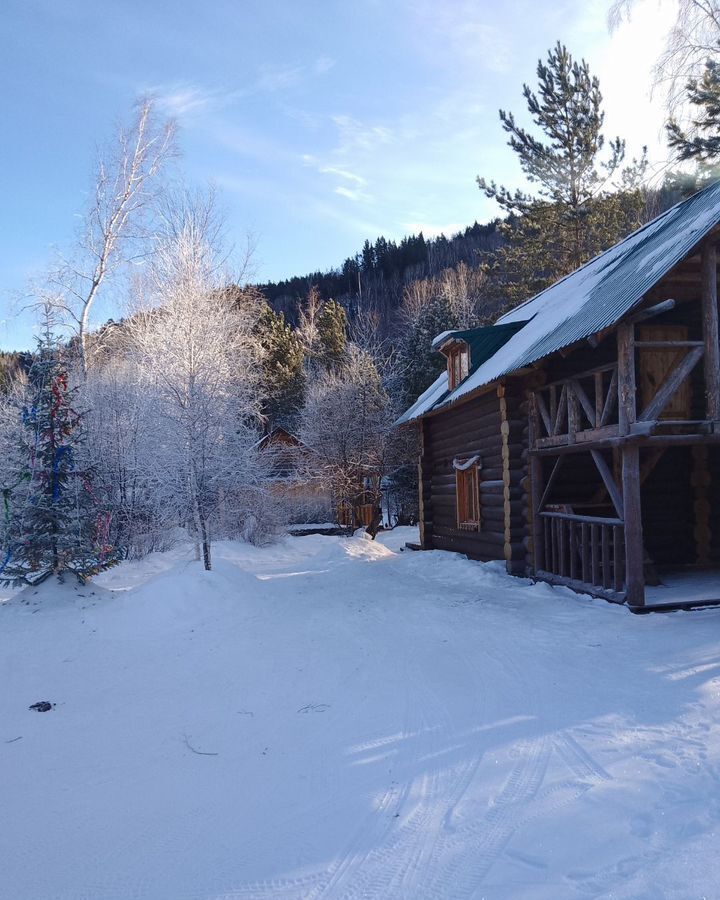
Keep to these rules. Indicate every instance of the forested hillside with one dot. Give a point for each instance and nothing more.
(375, 278)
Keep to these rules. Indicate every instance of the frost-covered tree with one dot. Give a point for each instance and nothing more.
(55, 521)
(347, 424)
(123, 449)
(693, 37)
(126, 183)
(427, 312)
(200, 364)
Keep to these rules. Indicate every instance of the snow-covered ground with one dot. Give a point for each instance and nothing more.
(333, 718)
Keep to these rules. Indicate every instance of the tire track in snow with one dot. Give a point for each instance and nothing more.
(469, 853)
(396, 867)
(357, 875)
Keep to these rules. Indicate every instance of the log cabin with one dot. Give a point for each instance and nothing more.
(294, 477)
(578, 438)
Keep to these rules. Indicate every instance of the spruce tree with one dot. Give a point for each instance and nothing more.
(55, 522)
(701, 142)
(284, 377)
(419, 365)
(332, 334)
(571, 216)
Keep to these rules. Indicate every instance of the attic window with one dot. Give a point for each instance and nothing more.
(467, 489)
(458, 361)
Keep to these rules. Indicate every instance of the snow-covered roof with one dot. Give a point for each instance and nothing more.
(440, 339)
(593, 297)
(482, 342)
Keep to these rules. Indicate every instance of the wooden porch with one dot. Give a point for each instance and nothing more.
(597, 437)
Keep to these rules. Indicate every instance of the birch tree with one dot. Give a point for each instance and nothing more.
(198, 356)
(126, 183)
(693, 37)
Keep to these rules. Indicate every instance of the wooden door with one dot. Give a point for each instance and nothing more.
(656, 364)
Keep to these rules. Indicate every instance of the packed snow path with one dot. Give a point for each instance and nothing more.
(332, 718)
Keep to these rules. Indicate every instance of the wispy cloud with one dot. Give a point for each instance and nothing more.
(183, 99)
(355, 196)
(463, 30)
(342, 173)
(355, 135)
(279, 78)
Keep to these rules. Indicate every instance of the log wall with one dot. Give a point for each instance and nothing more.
(494, 427)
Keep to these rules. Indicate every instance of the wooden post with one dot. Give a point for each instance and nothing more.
(536, 492)
(424, 499)
(626, 376)
(634, 553)
(505, 451)
(710, 331)
(701, 481)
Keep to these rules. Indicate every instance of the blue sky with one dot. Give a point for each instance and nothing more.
(321, 123)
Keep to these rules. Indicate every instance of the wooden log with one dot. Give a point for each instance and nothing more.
(581, 587)
(543, 414)
(634, 552)
(670, 384)
(424, 490)
(657, 310)
(710, 330)
(618, 568)
(532, 486)
(584, 400)
(610, 400)
(608, 481)
(700, 481)
(626, 376)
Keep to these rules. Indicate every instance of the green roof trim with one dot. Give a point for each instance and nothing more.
(484, 341)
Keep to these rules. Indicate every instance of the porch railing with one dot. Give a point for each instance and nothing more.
(582, 552)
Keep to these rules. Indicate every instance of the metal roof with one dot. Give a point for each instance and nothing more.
(593, 297)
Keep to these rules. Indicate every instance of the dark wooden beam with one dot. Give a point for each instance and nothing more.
(584, 401)
(536, 491)
(549, 484)
(610, 400)
(634, 552)
(626, 376)
(670, 384)
(710, 331)
(543, 412)
(657, 310)
(609, 481)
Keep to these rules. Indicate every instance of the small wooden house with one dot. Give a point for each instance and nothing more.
(292, 480)
(578, 438)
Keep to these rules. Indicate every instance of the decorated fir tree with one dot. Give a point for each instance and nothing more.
(55, 522)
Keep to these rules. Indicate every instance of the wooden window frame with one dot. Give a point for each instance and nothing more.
(467, 498)
(458, 370)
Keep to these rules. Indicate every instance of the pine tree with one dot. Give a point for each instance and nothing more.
(702, 142)
(56, 524)
(418, 364)
(283, 368)
(569, 219)
(332, 334)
